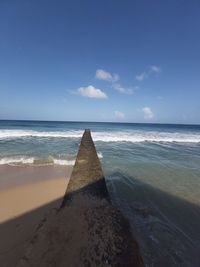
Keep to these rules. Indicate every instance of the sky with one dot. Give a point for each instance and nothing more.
(108, 60)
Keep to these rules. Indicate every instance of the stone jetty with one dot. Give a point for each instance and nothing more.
(87, 230)
(87, 175)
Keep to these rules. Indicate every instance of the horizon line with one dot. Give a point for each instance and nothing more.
(114, 122)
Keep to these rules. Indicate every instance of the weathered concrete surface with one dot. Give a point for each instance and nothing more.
(87, 230)
(87, 171)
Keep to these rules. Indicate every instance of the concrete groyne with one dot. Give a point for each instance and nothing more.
(87, 230)
(87, 175)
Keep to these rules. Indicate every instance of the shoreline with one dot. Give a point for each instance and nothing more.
(25, 188)
(23, 162)
(27, 195)
(16, 175)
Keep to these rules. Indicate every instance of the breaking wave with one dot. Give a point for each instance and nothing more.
(63, 162)
(8, 134)
(114, 136)
(16, 160)
(22, 160)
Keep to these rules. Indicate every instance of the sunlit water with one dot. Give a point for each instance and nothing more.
(152, 171)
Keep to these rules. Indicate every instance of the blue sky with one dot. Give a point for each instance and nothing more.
(109, 60)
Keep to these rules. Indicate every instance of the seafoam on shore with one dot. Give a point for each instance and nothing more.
(36, 162)
(23, 160)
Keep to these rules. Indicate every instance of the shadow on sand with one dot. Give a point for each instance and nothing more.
(166, 227)
(84, 229)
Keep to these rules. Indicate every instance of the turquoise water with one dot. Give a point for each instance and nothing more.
(152, 171)
(29, 141)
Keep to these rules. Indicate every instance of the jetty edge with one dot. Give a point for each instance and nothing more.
(87, 175)
(87, 230)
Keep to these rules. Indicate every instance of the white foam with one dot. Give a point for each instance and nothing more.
(14, 160)
(144, 136)
(133, 136)
(8, 134)
(26, 160)
(100, 155)
(63, 162)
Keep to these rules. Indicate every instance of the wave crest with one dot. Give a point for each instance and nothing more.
(16, 160)
(8, 134)
(117, 136)
(23, 160)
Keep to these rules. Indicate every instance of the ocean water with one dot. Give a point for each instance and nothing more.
(152, 172)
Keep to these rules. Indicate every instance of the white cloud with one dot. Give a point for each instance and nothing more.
(92, 92)
(144, 75)
(141, 77)
(148, 113)
(113, 78)
(119, 115)
(121, 89)
(106, 76)
(155, 69)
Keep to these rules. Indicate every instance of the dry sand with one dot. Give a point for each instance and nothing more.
(27, 195)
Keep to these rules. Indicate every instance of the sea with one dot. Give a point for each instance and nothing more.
(152, 172)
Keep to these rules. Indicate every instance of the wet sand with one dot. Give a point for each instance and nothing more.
(12, 176)
(27, 195)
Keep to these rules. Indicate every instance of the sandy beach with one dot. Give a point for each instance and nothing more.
(27, 194)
